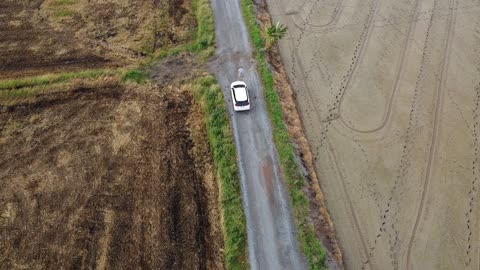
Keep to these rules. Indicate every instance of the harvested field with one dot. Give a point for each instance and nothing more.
(108, 176)
(388, 93)
(57, 35)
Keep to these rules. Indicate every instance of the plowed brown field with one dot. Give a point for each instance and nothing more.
(107, 176)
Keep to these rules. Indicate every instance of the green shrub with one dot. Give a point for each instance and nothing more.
(273, 33)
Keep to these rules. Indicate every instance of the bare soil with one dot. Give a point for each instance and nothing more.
(388, 93)
(41, 36)
(108, 175)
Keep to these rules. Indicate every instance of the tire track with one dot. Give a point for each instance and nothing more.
(473, 192)
(357, 56)
(473, 188)
(353, 217)
(296, 45)
(438, 105)
(332, 115)
(294, 56)
(391, 205)
(399, 72)
(334, 18)
(473, 260)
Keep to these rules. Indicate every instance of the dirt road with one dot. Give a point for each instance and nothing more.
(389, 94)
(272, 241)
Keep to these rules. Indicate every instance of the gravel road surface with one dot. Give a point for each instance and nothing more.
(272, 240)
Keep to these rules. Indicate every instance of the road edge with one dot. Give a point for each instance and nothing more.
(294, 150)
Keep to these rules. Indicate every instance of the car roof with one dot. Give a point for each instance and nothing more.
(240, 93)
(238, 83)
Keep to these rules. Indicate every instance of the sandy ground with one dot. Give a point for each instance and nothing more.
(107, 176)
(388, 93)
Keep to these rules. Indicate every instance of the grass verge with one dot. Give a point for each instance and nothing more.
(210, 97)
(309, 244)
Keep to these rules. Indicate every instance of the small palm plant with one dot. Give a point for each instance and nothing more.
(274, 33)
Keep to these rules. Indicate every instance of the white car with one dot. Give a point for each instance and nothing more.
(240, 98)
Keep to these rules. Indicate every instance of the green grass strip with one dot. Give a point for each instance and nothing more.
(135, 75)
(309, 244)
(210, 97)
(205, 34)
(64, 13)
(62, 2)
(54, 78)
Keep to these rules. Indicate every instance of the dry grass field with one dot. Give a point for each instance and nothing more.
(41, 36)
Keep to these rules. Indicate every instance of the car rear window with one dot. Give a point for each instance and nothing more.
(242, 103)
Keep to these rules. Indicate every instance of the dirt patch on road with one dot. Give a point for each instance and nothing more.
(58, 35)
(107, 175)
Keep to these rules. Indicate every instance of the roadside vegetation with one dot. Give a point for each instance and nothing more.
(272, 33)
(203, 38)
(210, 97)
(309, 244)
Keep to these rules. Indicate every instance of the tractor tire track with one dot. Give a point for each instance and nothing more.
(433, 145)
(296, 45)
(334, 18)
(391, 205)
(399, 72)
(349, 204)
(473, 192)
(293, 71)
(473, 260)
(473, 188)
(357, 56)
